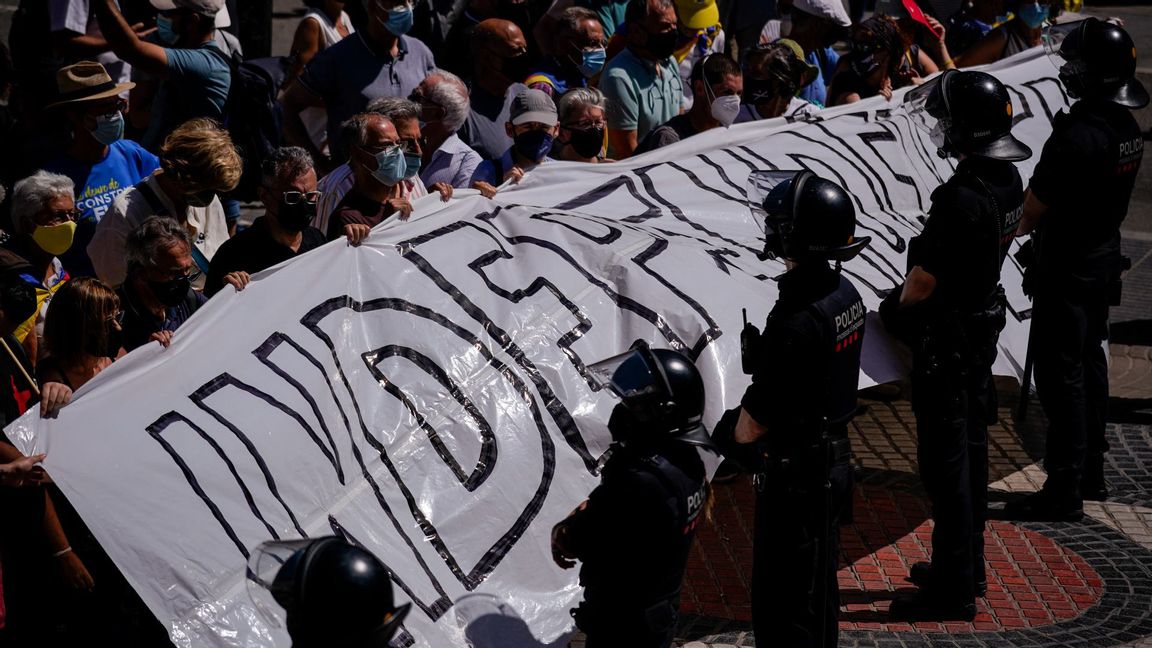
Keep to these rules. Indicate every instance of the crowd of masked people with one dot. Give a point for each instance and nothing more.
(134, 131)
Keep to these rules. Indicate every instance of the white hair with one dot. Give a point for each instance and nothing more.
(452, 95)
(33, 193)
(576, 98)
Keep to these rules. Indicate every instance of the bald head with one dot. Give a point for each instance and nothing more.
(502, 37)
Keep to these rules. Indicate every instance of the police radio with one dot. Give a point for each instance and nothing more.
(749, 345)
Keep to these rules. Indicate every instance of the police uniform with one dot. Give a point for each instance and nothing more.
(804, 392)
(633, 539)
(1085, 175)
(953, 336)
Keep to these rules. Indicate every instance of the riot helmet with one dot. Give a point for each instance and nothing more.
(967, 112)
(804, 216)
(325, 591)
(661, 391)
(1096, 59)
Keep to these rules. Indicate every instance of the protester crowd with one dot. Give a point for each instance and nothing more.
(134, 131)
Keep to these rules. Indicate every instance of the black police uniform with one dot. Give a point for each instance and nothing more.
(1085, 175)
(953, 336)
(633, 539)
(804, 392)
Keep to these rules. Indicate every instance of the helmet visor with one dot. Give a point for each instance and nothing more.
(266, 584)
(919, 106)
(1053, 39)
(628, 375)
(767, 193)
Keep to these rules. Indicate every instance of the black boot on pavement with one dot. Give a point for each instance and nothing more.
(921, 576)
(1046, 506)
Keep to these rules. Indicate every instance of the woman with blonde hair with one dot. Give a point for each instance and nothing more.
(82, 332)
(197, 162)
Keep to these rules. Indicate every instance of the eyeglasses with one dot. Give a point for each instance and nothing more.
(413, 144)
(108, 110)
(176, 275)
(61, 216)
(294, 197)
(117, 317)
(587, 124)
(387, 147)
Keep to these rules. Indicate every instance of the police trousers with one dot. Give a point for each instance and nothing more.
(953, 402)
(1071, 372)
(619, 624)
(795, 555)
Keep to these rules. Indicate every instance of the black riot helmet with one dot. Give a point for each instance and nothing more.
(967, 112)
(804, 216)
(332, 593)
(1096, 59)
(662, 392)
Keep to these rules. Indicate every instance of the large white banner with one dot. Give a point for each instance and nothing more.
(425, 395)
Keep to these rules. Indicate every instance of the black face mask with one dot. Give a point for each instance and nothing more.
(587, 142)
(297, 216)
(663, 44)
(113, 341)
(170, 293)
(516, 68)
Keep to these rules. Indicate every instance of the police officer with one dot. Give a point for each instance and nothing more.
(635, 530)
(1077, 199)
(791, 428)
(333, 593)
(950, 311)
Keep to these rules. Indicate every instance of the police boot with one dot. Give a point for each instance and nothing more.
(932, 604)
(1093, 486)
(1047, 505)
(921, 576)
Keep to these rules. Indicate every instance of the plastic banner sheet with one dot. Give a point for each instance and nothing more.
(426, 395)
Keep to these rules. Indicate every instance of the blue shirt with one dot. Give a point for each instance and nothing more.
(817, 91)
(349, 74)
(454, 163)
(197, 86)
(97, 185)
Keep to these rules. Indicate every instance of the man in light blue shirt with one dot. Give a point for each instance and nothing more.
(195, 74)
(642, 83)
(443, 100)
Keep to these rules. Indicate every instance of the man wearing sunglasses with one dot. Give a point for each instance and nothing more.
(288, 191)
(157, 297)
(774, 74)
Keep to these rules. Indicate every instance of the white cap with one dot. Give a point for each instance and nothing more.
(215, 8)
(833, 10)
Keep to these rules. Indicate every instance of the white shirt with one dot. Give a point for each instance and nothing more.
(206, 225)
(329, 35)
(334, 186)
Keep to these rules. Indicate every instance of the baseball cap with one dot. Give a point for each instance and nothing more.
(697, 14)
(215, 8)
(532, 106)
(832, 10)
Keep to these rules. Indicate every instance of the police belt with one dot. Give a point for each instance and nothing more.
(807, 467)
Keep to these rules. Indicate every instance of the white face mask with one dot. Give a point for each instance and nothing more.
(725, 109)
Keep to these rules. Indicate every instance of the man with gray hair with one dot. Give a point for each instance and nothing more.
(43, 224)
(288, 191)
(443, 100)
(404, 116)
(157, 295)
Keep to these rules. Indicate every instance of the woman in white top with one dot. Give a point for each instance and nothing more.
(323, 26)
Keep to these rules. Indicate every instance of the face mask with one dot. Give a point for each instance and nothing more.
(864, 66)
(113, 340)
(516, 68)
(399, 21)
(165, 31)
(170, 293)
(662, 45)
(200, 200)
(109, 128)
(390, 167)
(297, 216)
(592, 61)
(725, 109)
(54, 239)
(534, 144)
(587, 142)
(412, 161)
(1033, 14)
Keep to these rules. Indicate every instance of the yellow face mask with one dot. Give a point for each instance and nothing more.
(55, 239)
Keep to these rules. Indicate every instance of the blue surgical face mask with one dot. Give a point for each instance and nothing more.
(399, 21)
(412, 161)
(109, 128)
(1033, 14)
(534, 145)
(390, 166)
(165, 31)
(592, 61)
